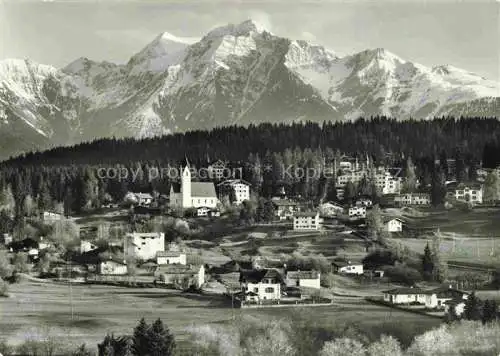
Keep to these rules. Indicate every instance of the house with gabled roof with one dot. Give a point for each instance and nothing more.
(183, 276)
(285, 208)
(265, 283)
(309, 220)
(307, 279)
(437, 298)
(405, 295)
(170, 258)
(392, 224)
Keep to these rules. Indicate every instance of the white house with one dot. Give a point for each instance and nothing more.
(144, 246)
(192, 194)
(170, 258)
(330, 209)
(472, 193)
(405, 296)
(202, 211)
(393, 225)
(112, 267)
(86, 246)
(50, 217)
(409, 199)
(347, 267)
(308, 279)
(239, 187)
(184, 276)
(306, 221)
(358, 212)
(285, 208)
(435, 299)
(262, 284)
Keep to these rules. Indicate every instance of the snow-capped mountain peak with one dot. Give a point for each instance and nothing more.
(245, 28)
(235, 74)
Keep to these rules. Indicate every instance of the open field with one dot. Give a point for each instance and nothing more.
(479, 222)
(37, 308)
(473, 250)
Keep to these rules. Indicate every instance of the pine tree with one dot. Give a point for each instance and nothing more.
(141, 338)
(427, 263)
(472, 310)
(491, 186)
(161, 340)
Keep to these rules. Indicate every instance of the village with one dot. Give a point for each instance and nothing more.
(295, 256)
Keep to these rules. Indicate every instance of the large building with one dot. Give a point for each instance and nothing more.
(306, 221)
(145, 246)
(192, 194)
(261, 285)
(469, 193)
(239, 188)
(413, 199)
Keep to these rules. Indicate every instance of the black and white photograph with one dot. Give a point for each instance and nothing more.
(249, 178)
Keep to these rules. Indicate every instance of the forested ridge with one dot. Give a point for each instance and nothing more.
(68, 175)
(376, 136)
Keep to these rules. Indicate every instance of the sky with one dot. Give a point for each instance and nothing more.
(465, 34)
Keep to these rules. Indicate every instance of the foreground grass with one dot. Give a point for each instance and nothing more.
(34, 308)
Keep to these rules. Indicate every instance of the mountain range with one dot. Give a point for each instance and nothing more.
(236, 74)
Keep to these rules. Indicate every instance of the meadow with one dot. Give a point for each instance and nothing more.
(37, 309)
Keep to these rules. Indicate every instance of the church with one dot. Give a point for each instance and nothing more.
(192, 194)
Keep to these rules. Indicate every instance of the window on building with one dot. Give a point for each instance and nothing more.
(269, 290)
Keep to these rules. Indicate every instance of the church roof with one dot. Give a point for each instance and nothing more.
(203, 190)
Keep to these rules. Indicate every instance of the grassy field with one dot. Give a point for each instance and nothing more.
(44, 308)
(480, 222)
(474, 250)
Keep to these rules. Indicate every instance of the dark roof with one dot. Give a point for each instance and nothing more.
(177, 269)
(447, 292)
(302, 274)
(386, 219)
(405, 291)
(255, 276)
(233, 181)
(27, 243)
(306, 214)
(176, 187)
(345, 263)
(203, 190)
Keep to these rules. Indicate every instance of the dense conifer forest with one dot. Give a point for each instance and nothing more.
(67, 175)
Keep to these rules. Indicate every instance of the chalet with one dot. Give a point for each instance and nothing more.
(330, 209)
(266, 284)
(285, 208)
(346, 267)
(218, 170)
(202, 211)
(184, 276)
(144, 246)
(112, 266)
(410, 199)
(170, 257)
(214, 213)
(405, 296)
(356, 212)
(308, 279)
(436, 298)
(306, 221)
(239, 188)
(469, 193)
(393, 224)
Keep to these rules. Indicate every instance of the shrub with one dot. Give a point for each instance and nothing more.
(343, 347)
(403, 274)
